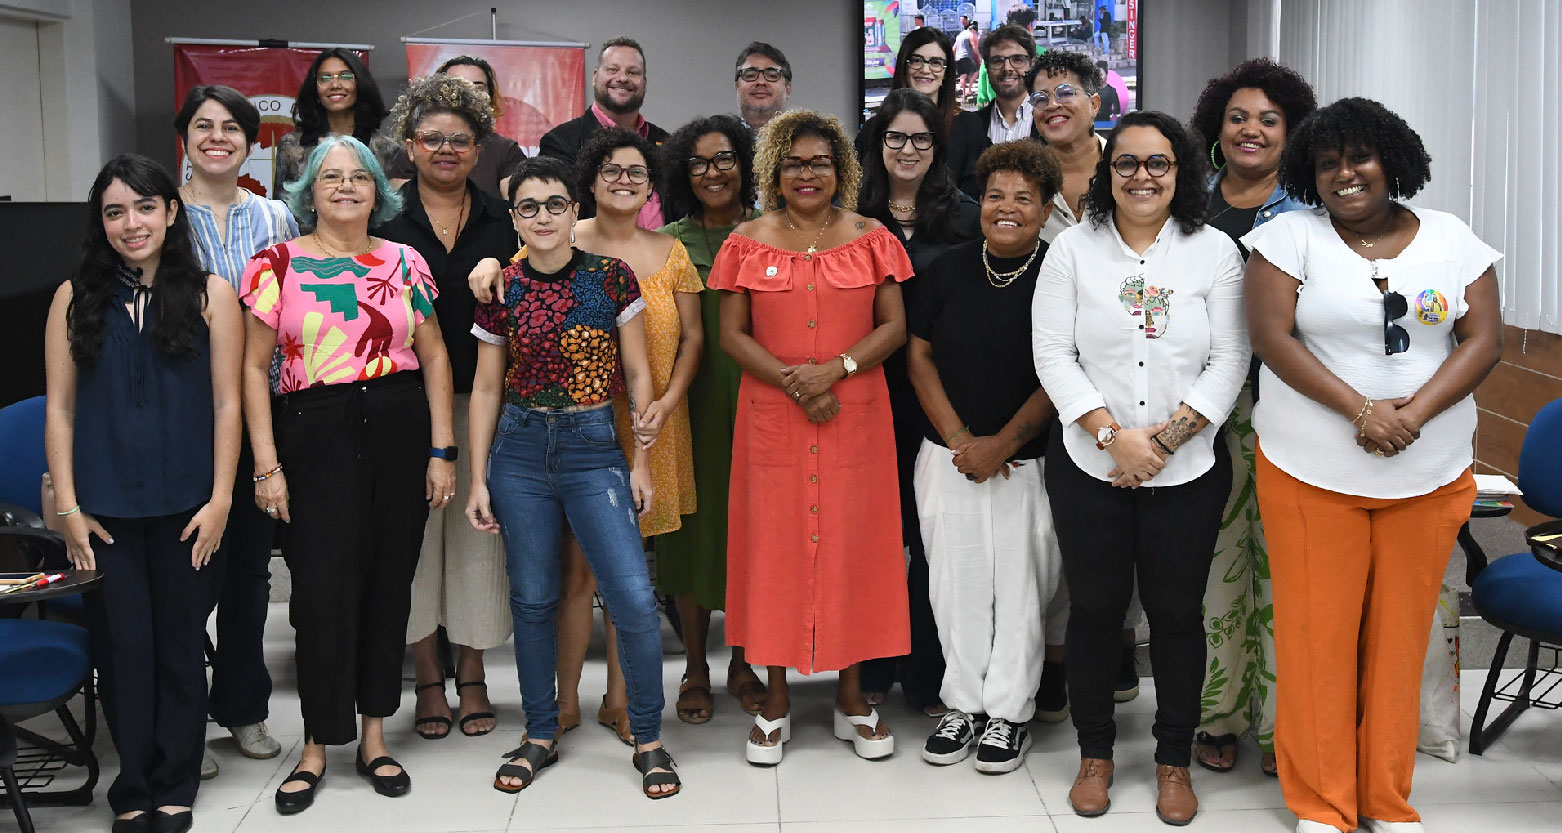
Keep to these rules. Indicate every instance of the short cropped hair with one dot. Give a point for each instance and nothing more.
(1355, 123)
(301, 192)
(1028, 158)
(1058, 61)
(628, 43)
(774, 54)
(546, 168)
(1008, 32)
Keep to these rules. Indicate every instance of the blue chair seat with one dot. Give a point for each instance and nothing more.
(1522, 592)
(41, 661)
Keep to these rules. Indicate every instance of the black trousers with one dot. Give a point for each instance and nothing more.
(1165, 534)
(149, 635)
(355, 456)
(241, 685)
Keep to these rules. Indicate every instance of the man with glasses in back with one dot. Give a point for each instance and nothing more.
(618, 85)
(763, 80)
(1007, 53)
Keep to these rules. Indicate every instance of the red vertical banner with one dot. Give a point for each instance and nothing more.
(268, 76)
(1131, 42)
(539, 86)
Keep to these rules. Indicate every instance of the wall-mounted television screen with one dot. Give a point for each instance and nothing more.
(1108, 31)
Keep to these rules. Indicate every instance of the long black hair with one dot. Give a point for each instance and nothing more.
(948, 105)
(676, 189)
(309, 113)
(179, 293)
(937, 197)
(1189, 200)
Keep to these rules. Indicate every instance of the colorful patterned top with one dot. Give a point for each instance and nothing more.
(561, 330)
(340, 319)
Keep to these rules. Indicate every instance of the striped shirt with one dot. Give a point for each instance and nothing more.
(253, 225)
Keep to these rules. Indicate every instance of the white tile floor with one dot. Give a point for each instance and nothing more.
(820, 787)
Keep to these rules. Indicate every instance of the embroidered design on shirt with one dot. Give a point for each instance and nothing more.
(1151, 302)
(1431, 307)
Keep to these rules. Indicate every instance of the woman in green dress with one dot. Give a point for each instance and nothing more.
(709, 170)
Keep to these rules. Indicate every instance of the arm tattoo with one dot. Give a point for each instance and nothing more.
(861, 225)
(1181, 428)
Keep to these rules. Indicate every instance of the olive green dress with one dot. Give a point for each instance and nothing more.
(692, 560)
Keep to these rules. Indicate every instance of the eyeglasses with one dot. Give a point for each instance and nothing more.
(1127, 165)
(895, 140)
(433, 140)
(1063, 94)
(935, 64)
(324, 79)
(820, 165)
(334, 179)
(724, 161)
(995, 62)
(752, 74)
(555, 206)
(638, 174)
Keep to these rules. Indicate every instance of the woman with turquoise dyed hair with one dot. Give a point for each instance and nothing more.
(352, 454)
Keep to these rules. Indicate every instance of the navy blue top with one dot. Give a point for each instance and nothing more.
(144, 422)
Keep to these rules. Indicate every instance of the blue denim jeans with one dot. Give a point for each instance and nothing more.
(543, 468)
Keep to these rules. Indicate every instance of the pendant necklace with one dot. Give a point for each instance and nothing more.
(814, 246)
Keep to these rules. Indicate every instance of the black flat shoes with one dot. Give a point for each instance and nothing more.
(289, 803)
(390, 786)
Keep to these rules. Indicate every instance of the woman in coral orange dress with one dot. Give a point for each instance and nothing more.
(810, 308)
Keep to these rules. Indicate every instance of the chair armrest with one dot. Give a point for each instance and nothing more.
(14, 515)
(45, 546)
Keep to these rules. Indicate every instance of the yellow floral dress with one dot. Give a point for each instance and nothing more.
(672, 457)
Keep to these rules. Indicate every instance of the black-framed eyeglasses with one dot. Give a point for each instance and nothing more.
(555, 206)
(1062, 94)
(752, 74)
(1016, 61)
(723, 161)
(895, 140)
(936, 64)
(1157, 165)
(1396, 339)
(638, 174)
(324, 79)
(819, 165)
(433, 140)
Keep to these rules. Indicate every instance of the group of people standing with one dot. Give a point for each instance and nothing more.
(916, 409)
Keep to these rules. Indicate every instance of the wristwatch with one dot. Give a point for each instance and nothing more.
(1106, 435)
(850, 364)
(449, 453)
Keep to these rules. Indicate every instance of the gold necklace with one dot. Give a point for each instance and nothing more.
(1003, 279)
(1376, 240)
(444, 230)
(903, 208)
(333, 253)
(814, 246)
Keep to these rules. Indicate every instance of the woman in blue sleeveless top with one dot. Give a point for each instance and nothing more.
(142, 350)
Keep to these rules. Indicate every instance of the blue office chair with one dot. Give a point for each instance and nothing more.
(22, 465)
(1518, 594)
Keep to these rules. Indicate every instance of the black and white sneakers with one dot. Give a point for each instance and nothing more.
(951, 742)
(1003, 746)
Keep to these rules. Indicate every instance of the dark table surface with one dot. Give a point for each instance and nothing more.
(1546, 552)
(75, 581)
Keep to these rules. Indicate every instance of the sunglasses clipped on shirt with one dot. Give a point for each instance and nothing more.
(1396, 339)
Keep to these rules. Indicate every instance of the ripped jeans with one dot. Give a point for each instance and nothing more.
(545, 467)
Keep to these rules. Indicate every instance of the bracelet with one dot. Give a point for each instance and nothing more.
(259, 477)
(1361, 417)
(1156, 438)
(964, 429)
(73, 510)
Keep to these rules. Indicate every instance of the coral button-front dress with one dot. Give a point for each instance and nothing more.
(816, 575)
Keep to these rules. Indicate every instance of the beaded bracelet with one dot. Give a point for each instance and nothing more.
(259, 477)
(1361, 417)
(964, 429)
(73, 510)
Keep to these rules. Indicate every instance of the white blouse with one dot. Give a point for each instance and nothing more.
(1139, 335)
(1339, 319)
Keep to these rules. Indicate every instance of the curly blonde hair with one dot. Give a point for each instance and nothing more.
(776, 139)
(435, 94)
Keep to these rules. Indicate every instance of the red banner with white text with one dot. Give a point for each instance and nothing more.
(539, 86)
(268, 76)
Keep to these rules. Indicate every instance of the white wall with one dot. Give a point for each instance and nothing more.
(21, 168)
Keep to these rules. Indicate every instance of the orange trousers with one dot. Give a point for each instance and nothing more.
(1355, 587)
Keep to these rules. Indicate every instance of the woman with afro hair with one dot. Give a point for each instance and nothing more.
(1375, 322)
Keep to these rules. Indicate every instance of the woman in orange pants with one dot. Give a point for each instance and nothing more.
(1375, 322)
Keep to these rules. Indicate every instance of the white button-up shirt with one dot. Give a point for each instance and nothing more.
(1000, 131)
(1139, 335)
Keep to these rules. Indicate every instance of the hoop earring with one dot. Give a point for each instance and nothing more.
(1212, 148)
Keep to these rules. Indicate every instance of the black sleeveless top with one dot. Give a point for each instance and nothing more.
(144, 423)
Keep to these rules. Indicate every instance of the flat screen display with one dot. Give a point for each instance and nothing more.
(1108, 31)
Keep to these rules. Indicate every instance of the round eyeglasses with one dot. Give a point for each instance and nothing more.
(1127, 165)
(1062, 94)
(555, 206)
(638, 174)
(433, 140)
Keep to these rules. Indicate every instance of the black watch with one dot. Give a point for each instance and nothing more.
(449, 452)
